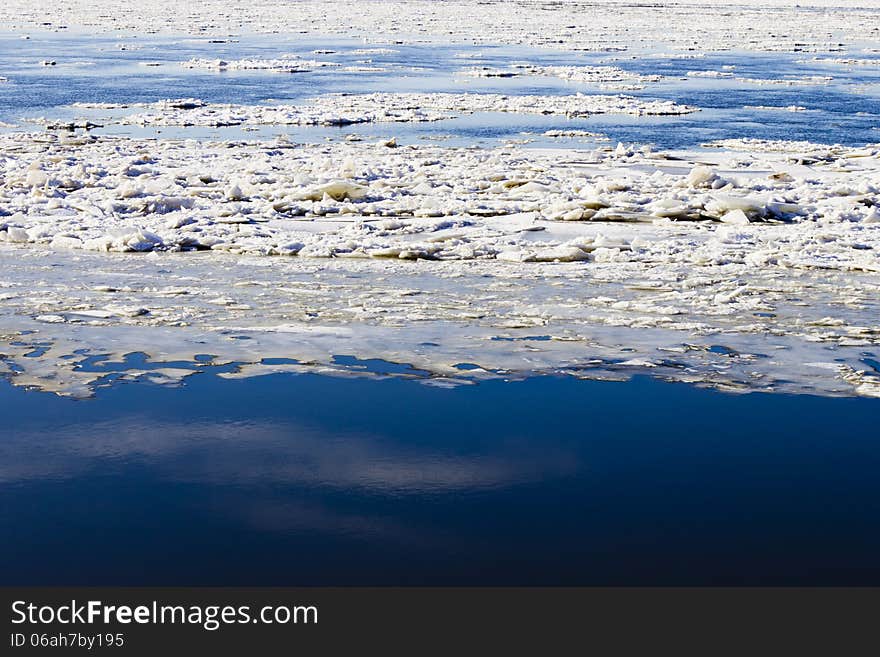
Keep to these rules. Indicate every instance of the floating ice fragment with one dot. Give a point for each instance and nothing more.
(709, 74)
(348, 109)
(36, 178)
(734, 217)
(15, 234)
(720, 205)
(234, 193)
(284, 64)
(701, 176)
(340, 190)
(66, 242)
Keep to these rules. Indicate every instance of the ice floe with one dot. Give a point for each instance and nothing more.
(283, 64)
(73, 322)
(605, 77)
(801, 205)
(348, 109)
(710, 74)
(842, 61)
(596, 263)
(787, 108)
(801, 81)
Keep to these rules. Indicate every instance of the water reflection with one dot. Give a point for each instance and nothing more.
(321, 480)
(242, 452)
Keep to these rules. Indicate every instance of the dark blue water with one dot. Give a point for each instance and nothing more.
(847, 111)
(317, 480)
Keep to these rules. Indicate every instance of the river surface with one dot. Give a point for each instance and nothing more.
(840, 103)
(310, 479)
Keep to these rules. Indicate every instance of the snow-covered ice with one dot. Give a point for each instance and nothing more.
(605, 77)
(350, 109)
(747, 263)
(671, 253)
(805, 205)
(283, 64)
(803, 26)
(70, 319)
